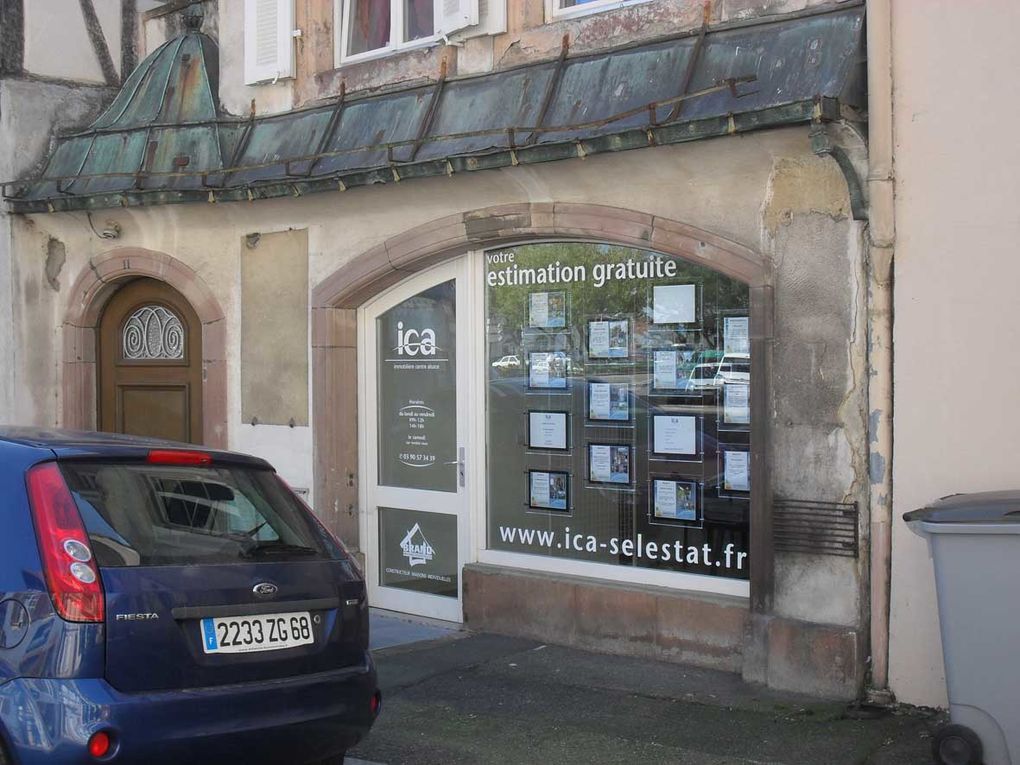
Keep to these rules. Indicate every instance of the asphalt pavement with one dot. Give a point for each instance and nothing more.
(456, 697)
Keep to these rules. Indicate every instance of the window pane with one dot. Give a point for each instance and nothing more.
(369, 26)
(149, 515)
(645, 358)
(574, 3)
(418, 22)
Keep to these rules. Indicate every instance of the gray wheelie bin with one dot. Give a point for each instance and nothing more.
(975, 547)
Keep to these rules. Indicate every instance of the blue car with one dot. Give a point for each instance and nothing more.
(169, 603)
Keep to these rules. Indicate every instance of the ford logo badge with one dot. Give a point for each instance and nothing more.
(265, 589)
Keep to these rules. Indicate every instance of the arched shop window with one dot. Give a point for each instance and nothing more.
(618, 408)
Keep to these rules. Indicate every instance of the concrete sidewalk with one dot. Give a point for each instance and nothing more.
(477, 698)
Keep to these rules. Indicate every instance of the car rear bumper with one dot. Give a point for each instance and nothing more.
(294, 720)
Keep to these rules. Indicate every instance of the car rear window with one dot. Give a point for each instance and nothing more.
(154, 515)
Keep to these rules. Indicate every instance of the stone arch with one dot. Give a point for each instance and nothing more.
(336, 299)
(89, 295)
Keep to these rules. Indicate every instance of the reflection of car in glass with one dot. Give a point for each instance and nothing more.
(703, 376)
(507, 362)
(172, 604)
(706, 356)
(734, 368)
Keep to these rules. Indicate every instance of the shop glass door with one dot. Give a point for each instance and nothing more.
(414, 367)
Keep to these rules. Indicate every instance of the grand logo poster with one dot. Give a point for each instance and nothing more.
(418, 391)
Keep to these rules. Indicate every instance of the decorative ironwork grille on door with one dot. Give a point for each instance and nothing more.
(153, 332)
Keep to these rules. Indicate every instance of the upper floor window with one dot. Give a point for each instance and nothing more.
(372, 28)
(558, 9)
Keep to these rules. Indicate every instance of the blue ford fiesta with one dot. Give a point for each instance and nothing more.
(166, 603)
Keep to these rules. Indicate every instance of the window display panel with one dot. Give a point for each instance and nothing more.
(417, 379)
(631, 353)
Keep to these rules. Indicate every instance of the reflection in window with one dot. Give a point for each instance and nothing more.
(368, 26)
(418, 19)
(377, 25)
(649, 357)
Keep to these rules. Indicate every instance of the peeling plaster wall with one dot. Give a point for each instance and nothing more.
(819, 425)
(31, 113)
(956, 275)
(531, 35)
(746, 188)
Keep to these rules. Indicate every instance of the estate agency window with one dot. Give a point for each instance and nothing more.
(618, 409)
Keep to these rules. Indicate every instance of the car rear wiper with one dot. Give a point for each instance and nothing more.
(276, 547)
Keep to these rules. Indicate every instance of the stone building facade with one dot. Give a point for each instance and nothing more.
(299, 202)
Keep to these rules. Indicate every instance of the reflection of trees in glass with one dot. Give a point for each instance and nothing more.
(720, 296)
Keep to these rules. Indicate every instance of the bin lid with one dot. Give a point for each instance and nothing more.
(980, 507)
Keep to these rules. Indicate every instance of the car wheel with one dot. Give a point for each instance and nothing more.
(335, 760)
(957, 745)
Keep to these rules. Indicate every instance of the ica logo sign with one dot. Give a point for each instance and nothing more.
(412, 342)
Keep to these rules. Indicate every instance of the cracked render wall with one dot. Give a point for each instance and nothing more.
(31, 113)
(764, 190)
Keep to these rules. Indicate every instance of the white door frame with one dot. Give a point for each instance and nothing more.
(371, 495)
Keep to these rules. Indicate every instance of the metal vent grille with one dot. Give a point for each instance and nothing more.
(818, 528)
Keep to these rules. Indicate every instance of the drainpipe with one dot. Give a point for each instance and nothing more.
(881, 240)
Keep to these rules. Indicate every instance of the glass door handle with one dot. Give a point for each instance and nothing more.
(461, 463)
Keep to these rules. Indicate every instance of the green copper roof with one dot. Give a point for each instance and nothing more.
(163, 139)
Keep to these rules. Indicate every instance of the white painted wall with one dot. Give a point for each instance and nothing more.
(956, 292)
(30, 112)
(57, 44)
(289, 450)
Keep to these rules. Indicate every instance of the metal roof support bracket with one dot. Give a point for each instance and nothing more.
(550, 91)
(430, 114)
(692, 64)
(822, 144)
(331, 126)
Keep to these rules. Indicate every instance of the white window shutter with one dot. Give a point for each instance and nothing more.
(268, 40)
(455, 15)
(491, 18)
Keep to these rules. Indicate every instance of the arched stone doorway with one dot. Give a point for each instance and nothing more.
(95, 289)
(150, 363)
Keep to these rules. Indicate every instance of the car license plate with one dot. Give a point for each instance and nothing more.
(247, 634)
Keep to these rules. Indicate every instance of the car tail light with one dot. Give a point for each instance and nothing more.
(376, 703)
(178, 457)
(70, 569)
(100, 744)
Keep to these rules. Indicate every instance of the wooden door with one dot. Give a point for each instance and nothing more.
(150, 364)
